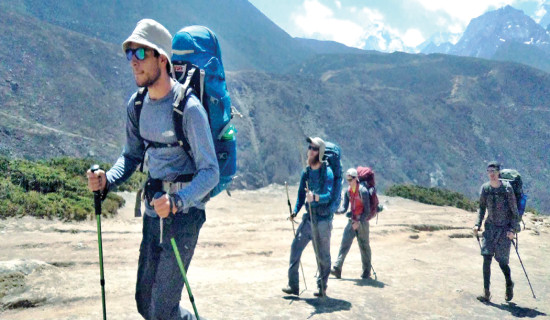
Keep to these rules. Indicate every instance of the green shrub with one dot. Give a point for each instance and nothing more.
(55, 188)
(533, 210)
(435, 196)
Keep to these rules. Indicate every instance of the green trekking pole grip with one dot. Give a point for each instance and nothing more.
(184, 275)
(97, 206)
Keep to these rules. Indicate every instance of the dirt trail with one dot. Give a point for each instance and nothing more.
(427, 263)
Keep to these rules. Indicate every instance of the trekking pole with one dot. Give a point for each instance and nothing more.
(294, 231)
(373, 272)
(180, 264)
(478, 242)
(315, 247)
(182, 269)
(533, 292)
(97, 205)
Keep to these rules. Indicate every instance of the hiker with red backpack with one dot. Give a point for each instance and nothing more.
(498, 199)
(316, 188)
(357, 197)
(179, 181)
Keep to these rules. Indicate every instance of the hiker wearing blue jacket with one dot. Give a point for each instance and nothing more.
(183, 181)
(498, 199)
(315, 189)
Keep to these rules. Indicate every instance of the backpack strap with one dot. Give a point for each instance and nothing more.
(138, 104)
(195, 76)
(177, 120)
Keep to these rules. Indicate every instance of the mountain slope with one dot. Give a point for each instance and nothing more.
(431, 120)
(248, 38)
(485, 34)
(506, 34)
(56, 87)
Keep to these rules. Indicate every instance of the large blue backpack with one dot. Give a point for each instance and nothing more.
(514, 178)
(332, 159)
(198, 66)
(197, 61)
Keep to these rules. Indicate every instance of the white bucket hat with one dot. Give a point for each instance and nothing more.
(150, 33)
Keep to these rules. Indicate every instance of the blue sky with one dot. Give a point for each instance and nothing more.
(389, 24)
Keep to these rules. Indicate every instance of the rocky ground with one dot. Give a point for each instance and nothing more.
(427, 266)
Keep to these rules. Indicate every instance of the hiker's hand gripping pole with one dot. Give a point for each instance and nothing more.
(476, 233)
(291, 217)
(97, 205)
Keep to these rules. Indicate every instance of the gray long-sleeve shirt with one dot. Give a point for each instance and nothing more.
(501, 206)
(156, 125)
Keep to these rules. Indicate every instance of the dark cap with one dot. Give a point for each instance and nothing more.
(494, 164)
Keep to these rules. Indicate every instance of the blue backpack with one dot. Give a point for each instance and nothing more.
(514, 178)
(197, 61)
(332, 156)
(198, 66)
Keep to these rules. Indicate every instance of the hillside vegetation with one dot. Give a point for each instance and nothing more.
(53, 188)
(435, 196)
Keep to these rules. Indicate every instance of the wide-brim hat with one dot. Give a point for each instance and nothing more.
(154, 35)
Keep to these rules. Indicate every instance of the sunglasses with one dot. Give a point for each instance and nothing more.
(312, 148)
(349, 179)
(139, 53)
(492, 170)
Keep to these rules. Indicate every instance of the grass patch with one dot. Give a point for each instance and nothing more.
(461, 236)
(432, 227)
(55, 188)
(435, 196)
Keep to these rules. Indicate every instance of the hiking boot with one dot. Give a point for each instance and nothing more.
(337, 272)
(290, 290)
(365, 275)
(509, 292)
(486, 297)
(320, 293)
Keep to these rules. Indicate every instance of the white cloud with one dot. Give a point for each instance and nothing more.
(456, 28)
(541, 12)
(413, 37)
(464, 10)
(318, 21)
(361, 27)
(372, 16)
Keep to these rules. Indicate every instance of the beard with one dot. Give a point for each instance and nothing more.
(150, 80)
(311, 161)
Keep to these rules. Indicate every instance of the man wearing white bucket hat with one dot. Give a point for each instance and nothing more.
(178, 181)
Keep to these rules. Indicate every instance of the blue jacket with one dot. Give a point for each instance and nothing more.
(321, 185)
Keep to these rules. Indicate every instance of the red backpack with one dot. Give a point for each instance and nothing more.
(366, 177)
